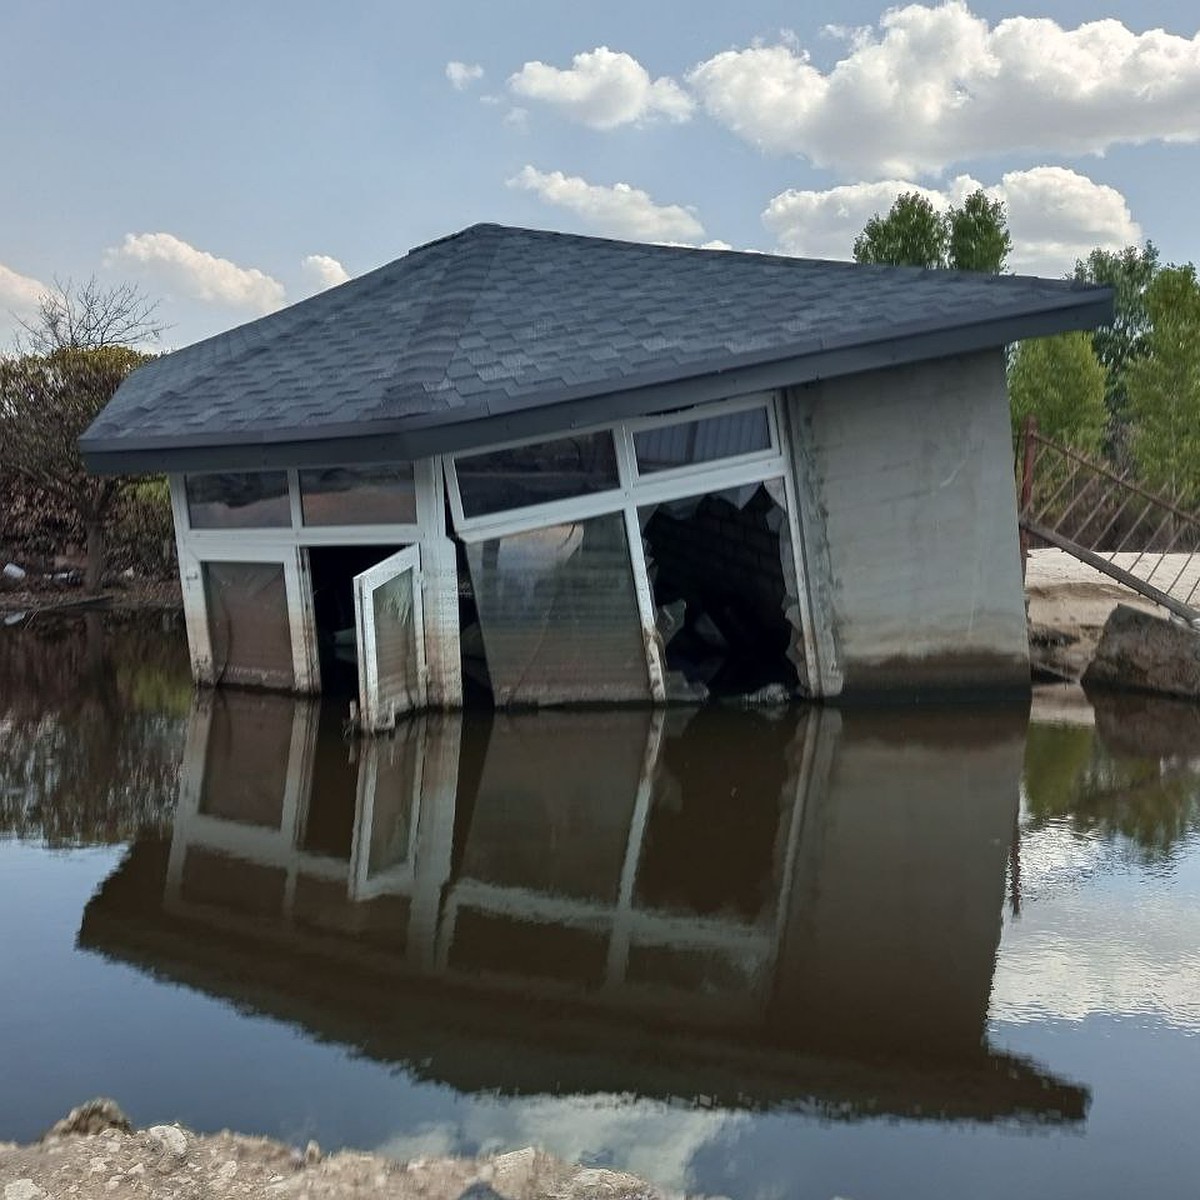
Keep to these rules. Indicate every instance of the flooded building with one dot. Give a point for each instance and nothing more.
(543, 469)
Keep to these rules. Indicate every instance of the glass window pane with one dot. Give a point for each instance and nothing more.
(238, 500)
(248, 624)
(703, 441)
(359, 495)
(559, 614)
(396, 661)
(525, 475)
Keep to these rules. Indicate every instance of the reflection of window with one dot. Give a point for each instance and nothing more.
(246, 762)
(238, 500)
(559, 614)
(725, 436)
(248, 624)
(380, 495)
(525, 475)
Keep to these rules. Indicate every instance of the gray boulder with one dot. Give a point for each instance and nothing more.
(1145, 653)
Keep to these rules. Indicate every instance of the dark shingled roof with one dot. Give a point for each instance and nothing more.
(498, 333)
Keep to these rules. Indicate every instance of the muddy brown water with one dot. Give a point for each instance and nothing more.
(938, 953)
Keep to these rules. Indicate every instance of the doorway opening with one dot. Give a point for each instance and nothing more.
(332, 570)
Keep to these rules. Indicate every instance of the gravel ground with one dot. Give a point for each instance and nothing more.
(93, 1154)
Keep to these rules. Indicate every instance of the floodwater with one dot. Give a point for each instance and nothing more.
(867, 954)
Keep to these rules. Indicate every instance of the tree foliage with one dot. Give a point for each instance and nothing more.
(1163, 384)
(973, 237)
(46, 402)
(913, 234)
(977, 237)
(1060, 381)
(90, 317)
(1129, 273)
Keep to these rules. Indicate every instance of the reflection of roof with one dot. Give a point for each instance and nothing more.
(472, 339)
(479, 1039)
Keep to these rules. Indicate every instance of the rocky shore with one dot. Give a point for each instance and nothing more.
(94, 1153)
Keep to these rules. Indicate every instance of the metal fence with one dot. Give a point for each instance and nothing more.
(1146, 540)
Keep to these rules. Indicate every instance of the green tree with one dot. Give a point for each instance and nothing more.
(973, 237)
(1129, 273)
(46, 402)
(1060, 381)
(1163, 385)
(912, 234)
(977, 237)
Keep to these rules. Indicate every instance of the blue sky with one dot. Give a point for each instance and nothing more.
(233, 157)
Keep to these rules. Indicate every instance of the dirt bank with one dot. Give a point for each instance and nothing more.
(94, 1153)
(1069, 603)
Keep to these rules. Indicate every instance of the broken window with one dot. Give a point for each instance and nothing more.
(559, 614)
(375, 495)
(238, 500)
(686, 443)
(525, 475)
(248, 625)
(721, 571)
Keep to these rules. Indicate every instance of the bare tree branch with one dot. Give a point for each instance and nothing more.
(91, 317)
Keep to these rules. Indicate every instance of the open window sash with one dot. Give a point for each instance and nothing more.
(392, 673)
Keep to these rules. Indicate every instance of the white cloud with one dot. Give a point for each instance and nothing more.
(18, 293)
(935, 85)
(518, 119)
(323, 271)
(1054, 215)
(462, 74)
(618, 211)
(603, 89)
(198, 274)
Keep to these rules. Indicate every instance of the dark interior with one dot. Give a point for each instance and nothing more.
(332, 569)
(720, 593)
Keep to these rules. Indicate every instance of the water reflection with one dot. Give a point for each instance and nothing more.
(92, 717)
(716, 907)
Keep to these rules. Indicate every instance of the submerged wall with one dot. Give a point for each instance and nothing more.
(910, 525)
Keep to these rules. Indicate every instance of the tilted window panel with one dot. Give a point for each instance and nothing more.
(559, 614)
(711, 439)
(522, 476)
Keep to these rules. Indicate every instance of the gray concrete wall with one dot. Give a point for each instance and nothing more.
(910, 528)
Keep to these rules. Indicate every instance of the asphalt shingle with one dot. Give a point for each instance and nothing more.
(495, 319)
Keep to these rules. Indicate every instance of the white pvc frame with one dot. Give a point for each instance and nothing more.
(635, 490)
(288, 545)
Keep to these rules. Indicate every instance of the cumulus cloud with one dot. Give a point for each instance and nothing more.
(1054, 215)
(18, 293)
(936, 85)
(323, 271)
(199, 274)
(603, 89)
(618, 211)
(462, 74)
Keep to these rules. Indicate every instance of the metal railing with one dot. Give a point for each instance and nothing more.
(1148, 541)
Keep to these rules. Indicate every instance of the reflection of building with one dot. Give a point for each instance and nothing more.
(756, 910)
(582, 470)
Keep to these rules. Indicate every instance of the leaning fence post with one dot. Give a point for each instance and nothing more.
(1028, 454)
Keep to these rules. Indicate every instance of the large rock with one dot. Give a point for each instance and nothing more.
(1146, 653)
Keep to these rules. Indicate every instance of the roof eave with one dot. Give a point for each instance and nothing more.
(574, 408)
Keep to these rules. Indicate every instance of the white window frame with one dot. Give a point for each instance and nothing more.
(635, 490)
(306, 671)
(428, 519)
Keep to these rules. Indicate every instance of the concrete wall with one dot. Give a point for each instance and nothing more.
(909, 514)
